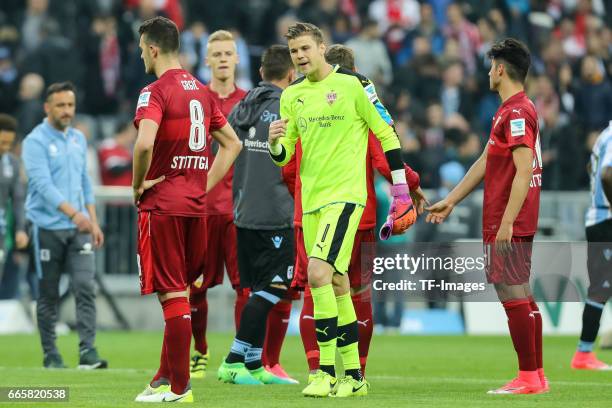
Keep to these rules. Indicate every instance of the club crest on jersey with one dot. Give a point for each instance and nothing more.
(517, 127)
(331, 97)
(53, 150)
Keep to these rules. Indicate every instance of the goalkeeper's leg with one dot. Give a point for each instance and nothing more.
(333, 228)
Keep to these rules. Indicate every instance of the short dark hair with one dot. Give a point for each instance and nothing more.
(7, 123)
(276, 62)
(59, 87)
(299, 29)
(341, 55)
(161, 32)
(514, 55)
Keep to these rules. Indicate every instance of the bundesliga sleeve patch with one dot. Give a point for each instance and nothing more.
(371, 92)
(517, 127)
(143, 100)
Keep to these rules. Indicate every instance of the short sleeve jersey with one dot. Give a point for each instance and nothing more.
(220, 200)
(515, 124)
(185, 115)
(601, 157)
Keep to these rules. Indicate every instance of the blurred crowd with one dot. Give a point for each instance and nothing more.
(427, 59)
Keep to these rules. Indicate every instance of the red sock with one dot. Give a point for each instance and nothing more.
(278, 321)
(307, 331)
(521, 323)
(177, 338)
(538, 331)
(199, 320)
(363, 308)
(242, 297)
(164, 370)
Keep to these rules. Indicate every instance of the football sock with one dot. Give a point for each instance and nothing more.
(326, 326)
(252, 331)
(363, 309)
(278, 321)
(237, 351)
(164, 369)
(177, 336)
(591, 317)
(537, 317)
(307, 331)
(242, 297)
(199, 319)
(348, 336)
(521, 323)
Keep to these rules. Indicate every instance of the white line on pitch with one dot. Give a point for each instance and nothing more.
(477, 380)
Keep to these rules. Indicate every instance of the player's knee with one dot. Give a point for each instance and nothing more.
(319, 273)
(171, 295)
(340, 284)
(507, 292)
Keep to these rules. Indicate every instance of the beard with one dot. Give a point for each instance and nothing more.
(61, 123)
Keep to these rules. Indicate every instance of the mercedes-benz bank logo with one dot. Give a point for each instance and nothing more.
(302, 125)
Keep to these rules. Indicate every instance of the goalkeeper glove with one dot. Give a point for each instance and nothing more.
(402, 213)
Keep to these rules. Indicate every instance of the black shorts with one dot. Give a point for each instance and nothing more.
(599, 259)
(265, 257)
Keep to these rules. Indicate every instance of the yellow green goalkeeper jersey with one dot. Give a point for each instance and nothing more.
(332, 117)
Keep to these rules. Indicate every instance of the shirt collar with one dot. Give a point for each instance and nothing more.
(515, 97)
(54, 131)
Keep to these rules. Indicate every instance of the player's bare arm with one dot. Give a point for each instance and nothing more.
(143, 151)
(442, 209)
(523, 159)
(229, 148)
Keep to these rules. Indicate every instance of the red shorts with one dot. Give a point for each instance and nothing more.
(222, 251)
(300, 270)
(513, 269)
(359, 274)
(171, 251)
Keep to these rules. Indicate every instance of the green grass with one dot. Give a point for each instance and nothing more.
(404, 371)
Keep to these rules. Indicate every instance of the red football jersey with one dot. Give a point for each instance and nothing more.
(220, 199)
(375, 159)
(514, 124)
(111, 155)
(186, 115)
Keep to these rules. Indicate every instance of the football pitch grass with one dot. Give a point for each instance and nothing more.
(415, 371)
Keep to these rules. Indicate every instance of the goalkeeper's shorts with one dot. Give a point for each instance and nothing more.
(329, 233)
(360, 267)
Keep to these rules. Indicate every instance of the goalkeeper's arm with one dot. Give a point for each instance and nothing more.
(281, 151)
